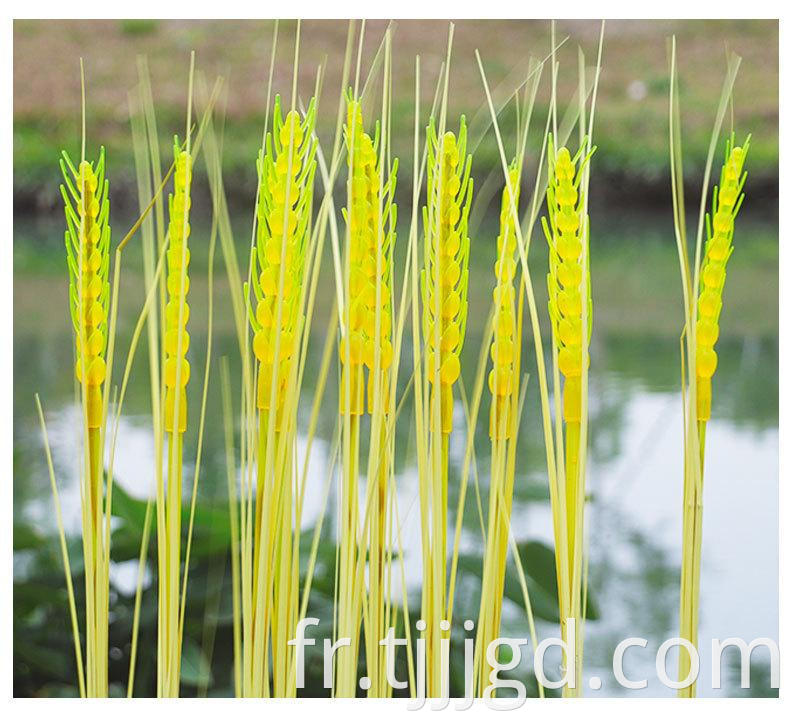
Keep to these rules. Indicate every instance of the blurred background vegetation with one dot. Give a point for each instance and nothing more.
(634, 380)
(631, 127)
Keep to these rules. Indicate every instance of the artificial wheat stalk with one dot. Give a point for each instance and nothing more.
(356, 346)
(727, 199)
(176, 378)
(444, 281)
(87, 250)
(286, 171)
(567, 232)
(503, 382)
(371, 219)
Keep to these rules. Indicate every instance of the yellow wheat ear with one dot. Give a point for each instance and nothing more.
(445, 277)
(177, 308)
(565, 231)
(727, 199)
(285, 172)
(502, 380)
(371, 219)
(87, 206)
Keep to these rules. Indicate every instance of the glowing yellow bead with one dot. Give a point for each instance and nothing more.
(94, 286)
(713, 275)
(291, 130)
(568, 222)
(264, 312)
(97, 371)
(709, 304)
(171, 342)
(277, 222)
(172, 311)
(500, 381)
(282, 164)
(95, 314)
(95, 343)
(261, 347)
(570, 361)
(451, 244)
(450, 337)
(451, 274)
(171, 369)
(570, 331)
(94, 261)
(269, 280)
(570, 302)
(569, 247)
(728, 195)
(352, 350)
(178, 230)
(718, 249)
(451, 305)
(181, 202)
(451, 369)
(178, 257)
(707, 333)
(502, 351)
(570, 274)
(706, 362)
(177, 284)
(566, 195)
(722, 222)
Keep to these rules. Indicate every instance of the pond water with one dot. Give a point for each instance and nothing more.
(635, 462)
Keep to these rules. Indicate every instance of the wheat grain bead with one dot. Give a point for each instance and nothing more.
(707, 333)
(171, 370)
(718, 249)
(569, 247)
(706, 362)
(570, 360)
(173, 310)
(713, 275)
(451, 369)
(172, 339)
(709, 304)
(177, 284)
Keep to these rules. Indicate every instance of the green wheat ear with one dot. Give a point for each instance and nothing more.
(85, 192)
(285, 175)
(727, 199)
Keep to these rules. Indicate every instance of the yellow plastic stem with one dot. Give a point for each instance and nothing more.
(571, 486)
(690, 569)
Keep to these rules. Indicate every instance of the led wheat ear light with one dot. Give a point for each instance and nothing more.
(371, 219)
(445, 280)
(176, 377)
(503, 383)
(86, 200)
(727, 200)
(565, 233)
(570, 310)
(270, 587)
(366, 344)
